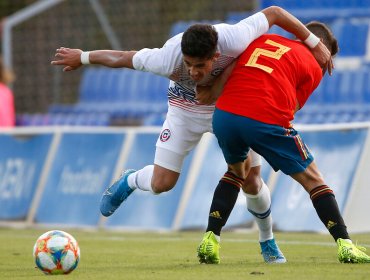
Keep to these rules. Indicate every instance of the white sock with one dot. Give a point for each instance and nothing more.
(142, 179)
(260, 204)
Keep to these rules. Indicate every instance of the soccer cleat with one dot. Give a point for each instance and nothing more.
(115, 194)
(271, 252)
(350, 253)
(208, 249)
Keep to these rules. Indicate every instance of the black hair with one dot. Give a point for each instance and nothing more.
(200, 41)
(322, 31)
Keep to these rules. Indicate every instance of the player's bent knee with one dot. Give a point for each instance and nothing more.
(253, 182)
(161, 185)
(163, 179)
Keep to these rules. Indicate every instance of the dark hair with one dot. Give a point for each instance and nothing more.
(200, 41)
(322, 31)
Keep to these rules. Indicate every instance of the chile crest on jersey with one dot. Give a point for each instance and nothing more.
(165, 135)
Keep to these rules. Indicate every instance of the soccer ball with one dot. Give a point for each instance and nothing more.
(56, 252)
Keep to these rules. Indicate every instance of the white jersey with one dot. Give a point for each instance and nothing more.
(168, 60)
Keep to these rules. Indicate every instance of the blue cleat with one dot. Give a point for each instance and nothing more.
(113, 196)
(271, 252)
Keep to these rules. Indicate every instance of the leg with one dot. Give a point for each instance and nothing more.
(257, 193)
(179, 136)
(326, 206)
(224, 199)
(258, 200)
(235, 151)
(161, 177)
(154, 178)
(285, 150)
(225, 196)
(291, 155)
(259, 203)
(323, 200)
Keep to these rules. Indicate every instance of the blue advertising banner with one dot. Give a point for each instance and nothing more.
(21, 161)
(143, 210)
(337, 154)
(82, 169)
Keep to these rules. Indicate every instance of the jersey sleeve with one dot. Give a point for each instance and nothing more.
(235, 38)
(160, 61)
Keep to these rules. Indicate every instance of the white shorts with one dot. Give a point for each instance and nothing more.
(181, 132)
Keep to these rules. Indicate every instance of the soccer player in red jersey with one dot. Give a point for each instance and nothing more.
(272, 79)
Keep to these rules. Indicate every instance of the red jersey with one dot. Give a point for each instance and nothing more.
(271, 77)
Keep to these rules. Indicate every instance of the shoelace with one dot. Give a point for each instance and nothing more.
(271, 248)
(209, 247)
(272, 251)
(349, 250)
(361, 248)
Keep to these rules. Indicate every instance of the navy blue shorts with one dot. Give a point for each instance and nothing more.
(282, 148)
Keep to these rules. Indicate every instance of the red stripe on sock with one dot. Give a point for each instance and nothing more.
(319, 191)
(231, 175)
(232, 179)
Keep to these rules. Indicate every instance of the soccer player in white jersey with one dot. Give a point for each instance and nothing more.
(191, 61)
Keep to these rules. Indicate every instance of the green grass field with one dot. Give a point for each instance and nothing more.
(122, 255)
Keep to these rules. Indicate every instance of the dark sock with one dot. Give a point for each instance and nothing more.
(326, 206)
(224, 198)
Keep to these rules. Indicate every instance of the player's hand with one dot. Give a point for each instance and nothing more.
(204, 95)
(323, 57)
(70, 58)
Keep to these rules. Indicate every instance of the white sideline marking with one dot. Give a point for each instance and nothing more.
(230, 240)
(175, 239)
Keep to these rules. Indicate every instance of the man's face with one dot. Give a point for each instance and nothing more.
(198, 68)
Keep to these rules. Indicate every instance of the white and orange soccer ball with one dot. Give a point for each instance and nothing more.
(56, 252)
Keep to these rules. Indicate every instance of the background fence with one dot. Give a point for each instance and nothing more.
(44, 95)
(89, 25)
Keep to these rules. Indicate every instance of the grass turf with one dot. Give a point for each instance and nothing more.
(126, 255)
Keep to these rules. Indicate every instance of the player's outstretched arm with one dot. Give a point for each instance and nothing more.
(280, 17)
(72, 59)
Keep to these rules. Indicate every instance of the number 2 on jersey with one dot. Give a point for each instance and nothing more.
(275, 55)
